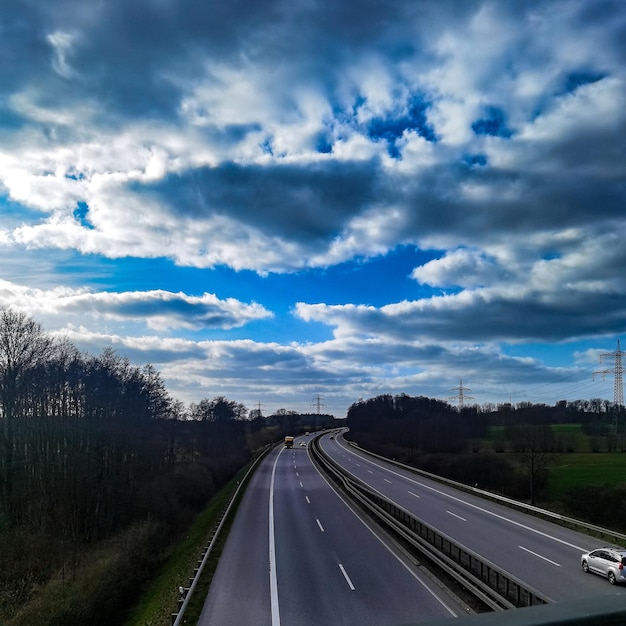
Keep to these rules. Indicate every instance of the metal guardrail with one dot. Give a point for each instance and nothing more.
(616, 537)
(206, 553)
(492, 585)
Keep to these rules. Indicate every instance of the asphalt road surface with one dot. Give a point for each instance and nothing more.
(542, 554)
(297, 555)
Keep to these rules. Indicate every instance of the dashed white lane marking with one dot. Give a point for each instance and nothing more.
(455, 515)
(414, 494)
(307, 499)
(319, 524)
(479, 508)
(345, 575)
(539, 556)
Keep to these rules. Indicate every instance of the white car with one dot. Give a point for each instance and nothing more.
(303, 444)
(607, 562)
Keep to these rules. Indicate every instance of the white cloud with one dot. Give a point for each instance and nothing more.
(61, 43)
(157, 309)
(463, 267)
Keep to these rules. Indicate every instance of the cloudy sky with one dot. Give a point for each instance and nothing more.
(275, 199)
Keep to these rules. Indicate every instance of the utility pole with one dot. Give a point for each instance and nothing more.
(618, 385)
(461, 395)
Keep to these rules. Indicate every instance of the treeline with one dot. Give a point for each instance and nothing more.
(95, 452)
(415, 424)
(440, 438)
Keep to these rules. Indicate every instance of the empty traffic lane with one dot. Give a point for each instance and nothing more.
(298, 555)
(331, 567)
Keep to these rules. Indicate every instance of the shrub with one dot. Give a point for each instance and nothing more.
(103, 585)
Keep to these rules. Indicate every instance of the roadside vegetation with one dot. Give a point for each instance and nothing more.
(570, 457)
(160, 597)
(102, 475)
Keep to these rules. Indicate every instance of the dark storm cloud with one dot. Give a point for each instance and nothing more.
(292, 202)
(124, 53)
(482, 316)
(121, 50)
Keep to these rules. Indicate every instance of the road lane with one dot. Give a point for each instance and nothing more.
(543, 554)
(330, 567)
(240, 590)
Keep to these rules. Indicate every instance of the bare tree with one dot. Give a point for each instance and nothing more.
(23, 346)
(535, 445)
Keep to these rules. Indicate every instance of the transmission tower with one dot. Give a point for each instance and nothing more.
(319, 403)
(618, 385)
(461, 396)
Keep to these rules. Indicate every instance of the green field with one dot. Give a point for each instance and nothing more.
(570, 436)
(572, 470)
(575, 463)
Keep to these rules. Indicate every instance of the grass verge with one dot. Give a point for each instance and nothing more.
(160, 598)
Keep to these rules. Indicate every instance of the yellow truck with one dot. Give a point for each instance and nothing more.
(289, 442)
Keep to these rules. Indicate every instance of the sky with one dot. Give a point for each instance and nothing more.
(302, 203)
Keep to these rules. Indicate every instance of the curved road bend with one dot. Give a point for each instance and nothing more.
(329, 567)
(542, 554)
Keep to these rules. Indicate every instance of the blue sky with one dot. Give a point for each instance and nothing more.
(274, 200)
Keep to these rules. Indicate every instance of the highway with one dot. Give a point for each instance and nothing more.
(298, 555)
(542, 554)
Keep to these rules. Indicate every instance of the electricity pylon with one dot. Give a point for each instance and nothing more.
(461, 396)
(319, 403)
(618, 385)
